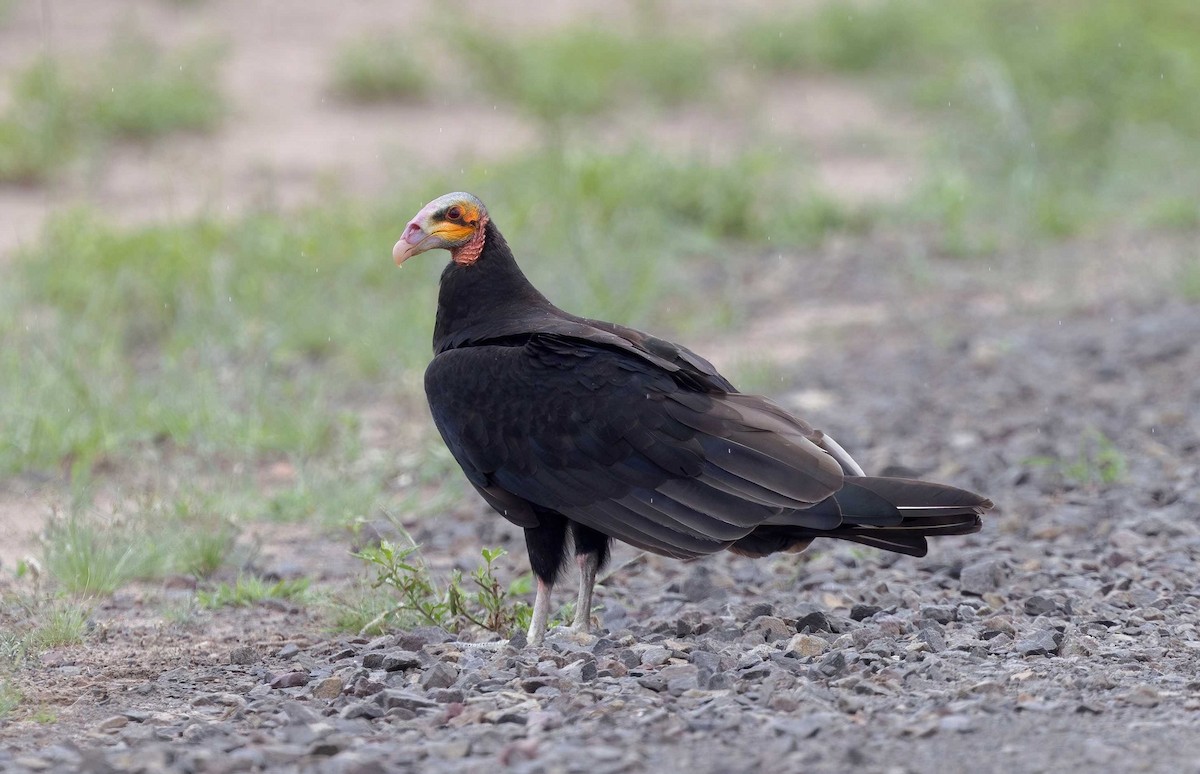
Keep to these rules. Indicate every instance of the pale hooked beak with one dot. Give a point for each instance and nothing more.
(414, 241)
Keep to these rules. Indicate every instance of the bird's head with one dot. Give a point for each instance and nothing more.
(453, 222)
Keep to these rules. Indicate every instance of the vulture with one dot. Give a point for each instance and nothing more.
(574, 427)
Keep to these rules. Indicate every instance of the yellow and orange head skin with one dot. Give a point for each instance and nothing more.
(452, 222)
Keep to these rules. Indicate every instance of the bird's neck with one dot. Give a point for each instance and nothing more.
(488, 298)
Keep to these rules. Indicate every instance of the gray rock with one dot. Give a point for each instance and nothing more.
(393, 698)
(815, 621)
(830, 665)
(289, 650)
(806, 645)
(362, 709)
(863, 612)
(981, 577)
(415, 639)
(1042, 642)
(1038, 605)
(329, 688)
(114, 723)
(290, 680)
(933, 639)
(440, 675)
(943, 614)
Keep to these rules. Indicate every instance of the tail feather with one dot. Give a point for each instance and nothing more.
(895, 514)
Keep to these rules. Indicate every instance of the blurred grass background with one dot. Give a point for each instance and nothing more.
(167, 364)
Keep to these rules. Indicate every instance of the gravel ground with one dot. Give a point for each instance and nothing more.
(1063, 637)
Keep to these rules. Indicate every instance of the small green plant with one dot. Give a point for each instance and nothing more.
(478, 599)
(92, 559)
(60, 624)
(378, 69)
(89, 554)
(39, 130)
(250, 590)
(10, 697)
(1099, 462)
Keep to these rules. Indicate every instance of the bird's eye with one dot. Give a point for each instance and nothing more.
(454, 213)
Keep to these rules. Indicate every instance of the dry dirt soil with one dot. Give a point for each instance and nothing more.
(1063, 637)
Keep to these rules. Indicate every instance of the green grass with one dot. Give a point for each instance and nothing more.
(10, 698)
(845, 37)
(260, 337)
(379, 68)
(583, 70)
(40, 129)
(140, 91)
(90, 556)
(1187, 285)
(134, 90)
(201, 347)
(1099, 462)
(62, 624)
(250, 590)
(640, 229)
(1054, 117)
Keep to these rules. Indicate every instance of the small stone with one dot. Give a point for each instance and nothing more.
(831, 665)
(451, 750)
(288, 651)
(329, 688)
(998, 625)
(363, 709)
(863, 612)
(1043, 642)
(770, 628)
(1143, 696)
(290, 680)
(698, 586)
(415, 639)
(299, 714)
(440, 675)
(941, 614)
(580, 671)
(934, 639)
(114, 723)
(393, 698)
(1038, 605)
(329, 746)
(355, 762)
(758, 609)
(394, 661)
(243, 655)
(806, 645)
(447, 695)
(961, 724)
(981, 577)
(364, 687)
(653, 657)
(815, 621)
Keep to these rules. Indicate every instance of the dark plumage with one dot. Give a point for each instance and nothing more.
(568, 425)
